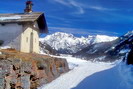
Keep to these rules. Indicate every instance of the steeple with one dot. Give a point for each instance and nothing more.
(28, 8)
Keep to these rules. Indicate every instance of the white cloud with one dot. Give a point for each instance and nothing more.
(82, 6)
(98, 8)
(82, 31)
(63, 2)
(101, 8)
(69, 30)
(72, 3)
(78, 5)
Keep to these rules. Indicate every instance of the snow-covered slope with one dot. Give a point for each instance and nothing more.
(97, 75)
(65, 43)
(109, 51)
(46, 49)
(88, 75)
(126, 73)
(102, 38)
(68, 43)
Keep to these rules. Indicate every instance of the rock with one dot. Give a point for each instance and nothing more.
(2, 56)
(130, 58)
(25, 81)
(2, 83)
(29, 71)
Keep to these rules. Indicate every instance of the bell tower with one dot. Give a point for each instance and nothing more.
(28, 8)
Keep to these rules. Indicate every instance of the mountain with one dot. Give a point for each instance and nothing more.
(107, 51)
(47, 49)
(101, 38)
(65, 43)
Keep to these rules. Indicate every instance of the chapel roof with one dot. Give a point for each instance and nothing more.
(26, 17)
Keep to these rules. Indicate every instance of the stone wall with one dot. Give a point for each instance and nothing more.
(29, 71)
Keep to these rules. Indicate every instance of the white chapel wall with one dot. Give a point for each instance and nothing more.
(36, 38)
(25, 40)
(26, 44)
(36, 41)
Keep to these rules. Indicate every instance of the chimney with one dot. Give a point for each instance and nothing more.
(28, 8)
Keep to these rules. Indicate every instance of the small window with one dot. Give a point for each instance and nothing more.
(27, 39)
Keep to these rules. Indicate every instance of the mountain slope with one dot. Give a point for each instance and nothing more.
(47, 49)
(102, 38)
(107, 51)
(67, 43)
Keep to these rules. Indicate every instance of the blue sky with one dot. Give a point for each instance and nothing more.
(80, 17)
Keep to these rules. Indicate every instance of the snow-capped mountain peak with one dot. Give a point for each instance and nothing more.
(130, 33)
(64, 42)
(103, 38)
(68, 43)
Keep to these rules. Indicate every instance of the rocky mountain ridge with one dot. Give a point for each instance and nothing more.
(108, 51)
(65, 43)
(95, 48)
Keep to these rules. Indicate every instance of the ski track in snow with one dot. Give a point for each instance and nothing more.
(88, 75)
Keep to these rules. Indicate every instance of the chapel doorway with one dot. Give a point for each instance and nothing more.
(31, 42)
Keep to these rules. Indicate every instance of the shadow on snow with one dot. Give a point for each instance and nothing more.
(107, 79)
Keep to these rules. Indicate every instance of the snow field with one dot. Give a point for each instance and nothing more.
(80, 70)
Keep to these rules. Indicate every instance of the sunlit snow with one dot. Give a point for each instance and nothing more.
(5, 47)
(10, 17)
(88, 75)
(65, 41)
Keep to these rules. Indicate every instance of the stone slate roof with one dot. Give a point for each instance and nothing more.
(25, 17)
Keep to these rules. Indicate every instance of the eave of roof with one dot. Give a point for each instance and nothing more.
(26, 17)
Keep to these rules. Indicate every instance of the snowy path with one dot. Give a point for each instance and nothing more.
(88, 75)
